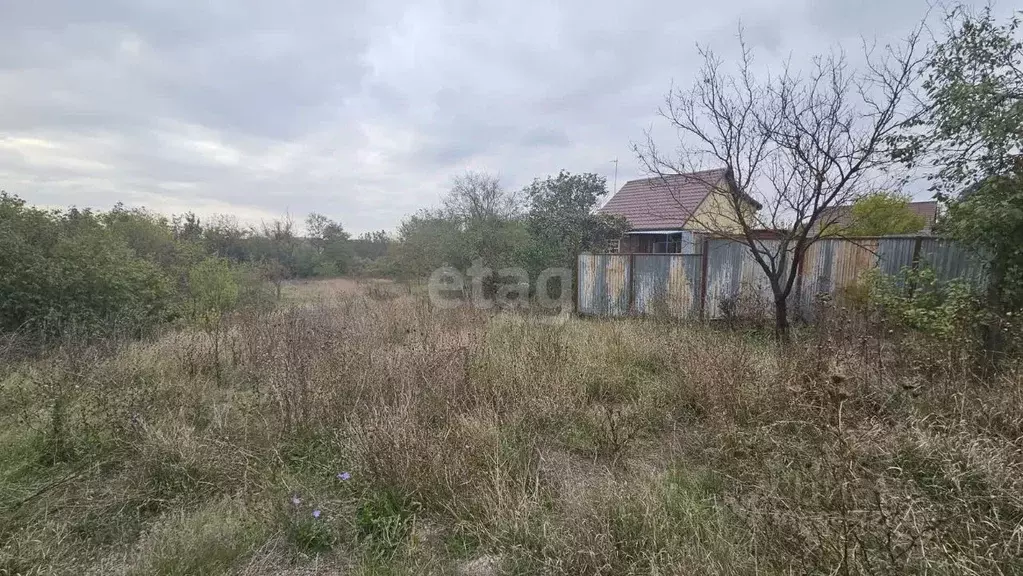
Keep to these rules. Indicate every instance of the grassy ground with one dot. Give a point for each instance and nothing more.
(369, 434)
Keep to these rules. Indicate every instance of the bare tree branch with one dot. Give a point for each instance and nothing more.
(796, 144)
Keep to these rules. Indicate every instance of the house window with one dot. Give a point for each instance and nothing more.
(668, 244)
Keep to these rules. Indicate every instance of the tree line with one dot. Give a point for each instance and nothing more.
(133, 269)
(130, 269)
(544, 225)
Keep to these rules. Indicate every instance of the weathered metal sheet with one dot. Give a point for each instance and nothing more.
(815, 276)
(585, 299)
(851, 259)
(894, 254)
(690, 243)
(836, 267)
(616, 284)
(951, 261)
(735, 280)
(667, 284)
(603, 284)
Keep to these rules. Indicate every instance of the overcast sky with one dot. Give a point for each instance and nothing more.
(360, 110)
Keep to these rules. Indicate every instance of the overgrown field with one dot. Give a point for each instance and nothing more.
(371, 434)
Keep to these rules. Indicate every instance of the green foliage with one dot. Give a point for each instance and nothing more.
(210, 541)
(385, 520)
(371, 245)
(62, 270)
(128, 270)
(883, 213)
(333, 248)
(915, 299)
(973, 125)
(222, 236)
(307, 532)
(426, 241)
(562, 222)
(487, 219)
(213, 289)
(972, 130)
(990, 219)
(148, 235)
(482, 223)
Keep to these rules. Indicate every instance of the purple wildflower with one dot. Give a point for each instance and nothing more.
(316, 513)
(344, 476)
(296, 500)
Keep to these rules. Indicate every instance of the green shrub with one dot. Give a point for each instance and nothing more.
(213, 289)
(915, 299)
(64, 272)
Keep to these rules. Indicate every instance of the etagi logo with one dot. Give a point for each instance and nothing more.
(509, 288)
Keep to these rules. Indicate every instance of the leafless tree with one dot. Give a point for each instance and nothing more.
(797, 143)
(280, 238)
(477, 197)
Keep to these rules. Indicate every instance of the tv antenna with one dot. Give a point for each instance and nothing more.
(615, 189)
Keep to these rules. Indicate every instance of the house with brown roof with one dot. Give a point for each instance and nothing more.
(665, 213)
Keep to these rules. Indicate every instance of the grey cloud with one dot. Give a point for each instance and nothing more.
(545, 136)
(359, 110)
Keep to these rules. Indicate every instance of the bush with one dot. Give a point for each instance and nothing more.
(916, 300)
(213, 290)
(63, 271)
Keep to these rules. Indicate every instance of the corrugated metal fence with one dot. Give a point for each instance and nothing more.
(725, 277)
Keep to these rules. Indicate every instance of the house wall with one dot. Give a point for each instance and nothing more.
(715, 214)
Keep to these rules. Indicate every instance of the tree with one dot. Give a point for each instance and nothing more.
(488, 220)
(224, 237)
(148, 234)
(276, 251)
(797, 143)
(477, 197)
(426, 241)
(971, 136)
(562, 222)
(371, 245)
(186, 227)
(214, 291)
(881, 213)
(332, 244)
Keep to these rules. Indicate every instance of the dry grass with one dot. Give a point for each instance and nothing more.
(506, 445)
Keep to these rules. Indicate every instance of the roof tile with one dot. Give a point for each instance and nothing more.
(664, 202)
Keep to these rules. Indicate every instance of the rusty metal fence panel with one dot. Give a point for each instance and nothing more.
(834, 267)
(736, 284)
(603, 284)
(667, 284)
(727, 279)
